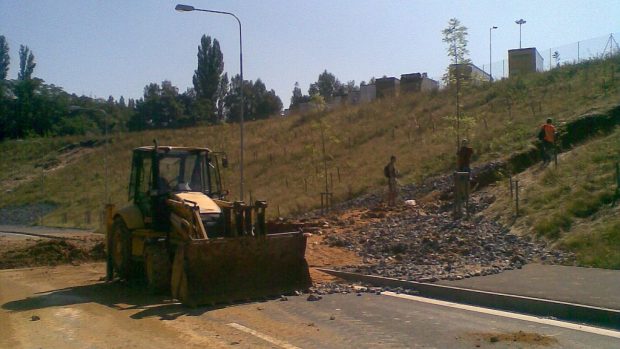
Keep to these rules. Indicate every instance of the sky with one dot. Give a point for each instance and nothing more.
(115, 48)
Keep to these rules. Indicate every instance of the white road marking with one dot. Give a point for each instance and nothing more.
(567, 325)
(263, 336)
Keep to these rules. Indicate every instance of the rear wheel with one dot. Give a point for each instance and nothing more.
(157, 268)
(120, 248)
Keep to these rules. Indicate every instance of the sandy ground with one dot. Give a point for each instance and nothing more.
(69, 307)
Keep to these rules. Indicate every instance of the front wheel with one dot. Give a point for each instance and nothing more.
(120, 248)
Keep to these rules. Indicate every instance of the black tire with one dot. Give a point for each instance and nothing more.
(120, 248)
(157, 268)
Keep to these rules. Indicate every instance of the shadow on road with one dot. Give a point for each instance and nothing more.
(116, 295)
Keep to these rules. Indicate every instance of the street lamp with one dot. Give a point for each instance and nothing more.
(520, 22)
(74, 108)
(189, 8)
(490, 61)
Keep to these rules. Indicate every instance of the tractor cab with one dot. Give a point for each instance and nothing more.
(160, 172)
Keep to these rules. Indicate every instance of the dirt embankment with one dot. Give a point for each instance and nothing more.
(33, 252)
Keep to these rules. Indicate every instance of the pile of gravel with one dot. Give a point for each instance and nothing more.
(426, 244)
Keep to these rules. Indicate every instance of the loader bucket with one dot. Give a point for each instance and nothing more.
(232, 269)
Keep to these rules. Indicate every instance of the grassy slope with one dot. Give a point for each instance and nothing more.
(284, 154)
(572, 204)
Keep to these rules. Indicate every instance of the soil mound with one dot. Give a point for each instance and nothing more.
(50, 253)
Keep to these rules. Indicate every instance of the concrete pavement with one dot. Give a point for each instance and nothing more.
(586, 286)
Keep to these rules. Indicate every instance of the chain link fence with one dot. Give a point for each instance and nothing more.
(573, 53)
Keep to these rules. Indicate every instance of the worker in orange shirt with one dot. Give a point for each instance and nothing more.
(547, 135)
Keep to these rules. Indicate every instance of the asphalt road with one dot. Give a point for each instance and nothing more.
(24, 232)
(68, 307)
(589, 286)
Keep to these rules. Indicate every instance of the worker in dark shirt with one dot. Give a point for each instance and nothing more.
(464, 157)
(391, 173)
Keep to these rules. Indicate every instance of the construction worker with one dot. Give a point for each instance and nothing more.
(547, 135)
(463, 157)
(391, 173)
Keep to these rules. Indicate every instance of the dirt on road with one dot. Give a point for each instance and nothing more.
(69, 307)
(18, 251)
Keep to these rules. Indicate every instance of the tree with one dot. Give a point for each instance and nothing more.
(5, 59)
(26, 63)
(556, 57)
(258, 102)
(455, 36)
(222, 91)
(160, 108)
(266, 103)
(326, 85)
(297, 97)
(207, 77)
(351, 86)
(5, 108)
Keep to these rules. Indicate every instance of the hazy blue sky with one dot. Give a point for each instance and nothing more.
(114, 47)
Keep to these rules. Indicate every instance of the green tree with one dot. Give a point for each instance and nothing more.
(258, 102)
(556, 58)
(455, 36)
(207, 77)
(266, 103)
(160, 108)
(26, 63)
(326, 85)
(297, 97)
(5, 59)
(222, 91)
(5, 101)
(24, 104)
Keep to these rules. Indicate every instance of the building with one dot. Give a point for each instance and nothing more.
(387, 87)
(368, 93)
(337, 102)
(417, 82)
(309, 107)
(523, 61)
(354, 97)
(469, 73)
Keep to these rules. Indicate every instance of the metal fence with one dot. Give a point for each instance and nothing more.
(573, 53)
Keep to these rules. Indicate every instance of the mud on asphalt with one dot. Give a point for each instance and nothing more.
(34, 252)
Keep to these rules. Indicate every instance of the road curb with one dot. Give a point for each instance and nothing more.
(603, 317)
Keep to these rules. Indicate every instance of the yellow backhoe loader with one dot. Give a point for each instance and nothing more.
(181, 235)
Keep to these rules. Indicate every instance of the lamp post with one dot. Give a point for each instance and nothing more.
(189, 8)
(106, 192)
(490, 60)
(520, 22)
